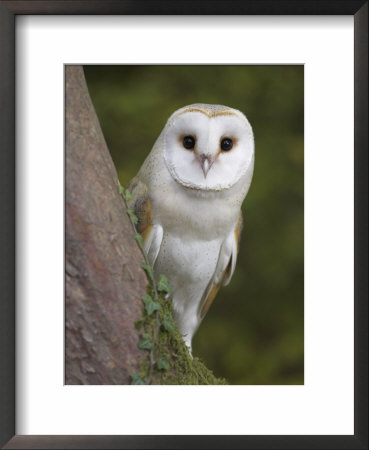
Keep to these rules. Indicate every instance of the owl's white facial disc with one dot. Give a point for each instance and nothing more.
(208, 164)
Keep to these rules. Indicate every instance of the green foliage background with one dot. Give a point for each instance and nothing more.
(254, 331)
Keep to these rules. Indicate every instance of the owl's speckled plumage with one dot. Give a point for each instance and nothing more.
(188, 202)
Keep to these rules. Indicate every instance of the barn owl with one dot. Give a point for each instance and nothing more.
(187, 197)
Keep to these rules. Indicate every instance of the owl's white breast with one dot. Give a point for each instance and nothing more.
(189, 264)
(202, 215)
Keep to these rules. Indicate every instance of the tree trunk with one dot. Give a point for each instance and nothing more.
(104, 279)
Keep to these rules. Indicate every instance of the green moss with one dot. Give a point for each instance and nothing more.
(170, 361)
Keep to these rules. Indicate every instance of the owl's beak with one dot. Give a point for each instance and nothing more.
(206, 161)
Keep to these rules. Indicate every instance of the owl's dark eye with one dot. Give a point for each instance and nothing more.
(188, 142)
(226, 144)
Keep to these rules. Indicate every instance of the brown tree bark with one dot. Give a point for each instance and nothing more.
(103, 275)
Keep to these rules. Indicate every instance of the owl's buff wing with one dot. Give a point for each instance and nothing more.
(224, 269)
(140, 203)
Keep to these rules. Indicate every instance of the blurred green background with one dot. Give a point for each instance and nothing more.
(254, 331)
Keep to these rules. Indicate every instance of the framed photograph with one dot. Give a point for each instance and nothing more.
(134, 139)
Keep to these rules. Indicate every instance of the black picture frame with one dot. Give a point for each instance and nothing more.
(8, 12)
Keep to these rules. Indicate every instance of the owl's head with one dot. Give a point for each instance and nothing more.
(208, 147)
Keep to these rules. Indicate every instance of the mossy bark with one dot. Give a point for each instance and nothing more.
(179, 367)
(103, 274)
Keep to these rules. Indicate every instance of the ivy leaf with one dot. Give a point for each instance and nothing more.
(136, 379)
(153, 306)
(149, 270)
(128, 195)
(139, 240)
(147, 298)
(163, 363)
(145, 342)
(120, 189)
(163, 285)
(168, 322)
(132, 216)
(150, 305)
